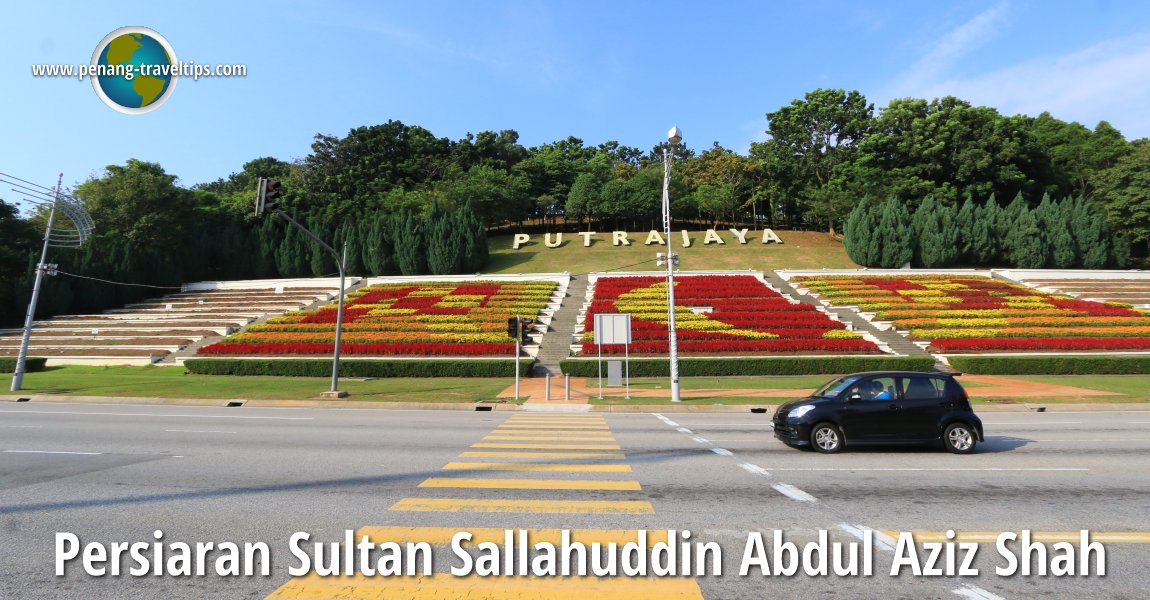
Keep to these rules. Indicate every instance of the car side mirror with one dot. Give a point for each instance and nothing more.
(854, 397)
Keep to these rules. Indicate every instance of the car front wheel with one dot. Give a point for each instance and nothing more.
(826, 438)
(959, 438)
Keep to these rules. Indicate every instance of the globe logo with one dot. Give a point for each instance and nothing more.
(136, 70)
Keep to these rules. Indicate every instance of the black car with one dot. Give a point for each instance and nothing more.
(882, 408)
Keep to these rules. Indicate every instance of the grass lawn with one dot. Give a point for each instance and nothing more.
(800, 250)
(171, 382)
(687, 400)
(1135, 388)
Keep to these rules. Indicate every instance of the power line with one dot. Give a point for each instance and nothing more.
(160, 287)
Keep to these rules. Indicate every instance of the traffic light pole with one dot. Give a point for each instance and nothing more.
(340, 262)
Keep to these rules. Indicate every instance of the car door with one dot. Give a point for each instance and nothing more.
(923, 403)
(873, 417)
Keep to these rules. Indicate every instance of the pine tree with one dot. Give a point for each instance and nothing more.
(474, 236)
(856, 234)
(1057, 217)
(964, 226)
(924, 219)
(938, 238)
(985, 241)
(320, 262)
(410, 244)
(894, 235)
(444, 243)
(1093, 235)
(377, 251)
(1026, 244)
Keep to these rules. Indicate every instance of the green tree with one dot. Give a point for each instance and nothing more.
(894, 235)
(935, 229)
(377, 252)
(445, 252)
(1026, 244)
(17, 254)
(810, 138)
(1124, 191)
(410, 244)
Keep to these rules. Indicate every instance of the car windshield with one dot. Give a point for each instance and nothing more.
(834, 388)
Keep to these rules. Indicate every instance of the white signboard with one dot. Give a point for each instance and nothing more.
(613, 329)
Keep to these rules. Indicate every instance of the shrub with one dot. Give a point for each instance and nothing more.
(359, 368)
(8, 364)
(1051, 365)
(773, 365)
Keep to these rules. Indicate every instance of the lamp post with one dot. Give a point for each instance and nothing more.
(674, 136)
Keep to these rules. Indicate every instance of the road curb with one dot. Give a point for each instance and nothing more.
(541, 407)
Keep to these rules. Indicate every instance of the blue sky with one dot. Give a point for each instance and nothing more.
(597, 70)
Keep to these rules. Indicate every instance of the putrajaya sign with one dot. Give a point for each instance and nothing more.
(621, 238)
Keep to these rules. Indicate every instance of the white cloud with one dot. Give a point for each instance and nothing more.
(950, 49)
(1109, 81)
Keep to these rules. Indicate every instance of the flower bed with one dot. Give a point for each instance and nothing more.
(746, 318)
(977, 314)
(429, 319)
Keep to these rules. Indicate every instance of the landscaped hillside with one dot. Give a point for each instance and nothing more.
(799, 250)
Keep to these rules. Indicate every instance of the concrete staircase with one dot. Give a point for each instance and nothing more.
(189, 351)
(897, 343)
(556, 344)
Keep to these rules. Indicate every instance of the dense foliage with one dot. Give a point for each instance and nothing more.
(407, 201)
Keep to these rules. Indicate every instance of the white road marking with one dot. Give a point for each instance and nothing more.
(1126, 440)
(683, 430)
(700, 440)
(25, 426)
(882, 540)
(1040, 424)
(1004, 469)
(116, 414)
(51, 452)
(195, 431)
(705, 425)
(975, 593)
(793, 492)
(722, 451)
(756, 469)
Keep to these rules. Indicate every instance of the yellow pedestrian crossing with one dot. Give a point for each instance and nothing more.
(502, 505)
(531, 455)
(561, 468)
(527, 444)
(442, 585)
(547, 438)
(548, 446)
(441, 536)
(530, 484)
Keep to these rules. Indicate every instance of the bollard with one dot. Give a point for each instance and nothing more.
(547, 387)
(567, 387)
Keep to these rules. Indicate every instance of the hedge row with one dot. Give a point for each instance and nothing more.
(780, 365)
(1051, 365)
(8, 364)
(359, 368)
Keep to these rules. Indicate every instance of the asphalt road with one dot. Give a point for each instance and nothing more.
(115, 473)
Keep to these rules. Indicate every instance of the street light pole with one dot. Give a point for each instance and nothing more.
(674, 136)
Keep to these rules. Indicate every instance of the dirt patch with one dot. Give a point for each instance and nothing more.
(999, 387)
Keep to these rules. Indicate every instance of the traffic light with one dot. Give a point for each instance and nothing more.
(267, 195)
(524, 327)
(513, 327)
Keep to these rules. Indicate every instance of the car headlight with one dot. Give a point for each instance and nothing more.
(800, 411)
